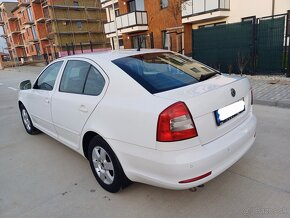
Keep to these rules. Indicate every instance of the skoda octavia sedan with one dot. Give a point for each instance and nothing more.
(149, 116)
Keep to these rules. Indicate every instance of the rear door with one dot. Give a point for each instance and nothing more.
(80, 90)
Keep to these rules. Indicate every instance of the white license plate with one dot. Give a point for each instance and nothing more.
(226, 113)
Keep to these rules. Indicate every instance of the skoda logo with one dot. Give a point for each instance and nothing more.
(233, 92)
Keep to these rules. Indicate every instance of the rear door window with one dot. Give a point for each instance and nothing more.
(74, 77)
(95, 82)
(158, 72)
(80, 77)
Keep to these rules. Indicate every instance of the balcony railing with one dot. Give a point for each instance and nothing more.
(107, 3)
(131, 22)
(197, 7)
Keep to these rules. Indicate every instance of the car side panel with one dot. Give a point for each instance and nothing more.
(128, 115)
(71, 111)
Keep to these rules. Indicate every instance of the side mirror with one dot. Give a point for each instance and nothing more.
(25, 85)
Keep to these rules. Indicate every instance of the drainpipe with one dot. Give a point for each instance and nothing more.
(273, 7)
(115, 24)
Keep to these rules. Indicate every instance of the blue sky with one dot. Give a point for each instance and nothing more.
(2, 41)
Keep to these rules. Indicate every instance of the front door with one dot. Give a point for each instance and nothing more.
(40, 98)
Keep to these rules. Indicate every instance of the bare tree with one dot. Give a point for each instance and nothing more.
(176, 6)
(242, 62)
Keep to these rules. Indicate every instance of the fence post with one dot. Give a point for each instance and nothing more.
(255, 38)
(55, 56)
(67, 49)
(288, 67)
(192, 53)
(91, 45)
(287, 38)
(81, 47)
(73, 48)
(151, 40)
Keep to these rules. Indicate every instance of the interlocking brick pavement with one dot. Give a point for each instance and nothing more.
(271, 90)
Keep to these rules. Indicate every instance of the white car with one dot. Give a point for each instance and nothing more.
(149, 116)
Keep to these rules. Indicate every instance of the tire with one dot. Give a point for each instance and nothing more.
(28, 125)
(105, 166)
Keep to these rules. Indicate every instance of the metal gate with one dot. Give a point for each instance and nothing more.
(250, 47)
(270, 45)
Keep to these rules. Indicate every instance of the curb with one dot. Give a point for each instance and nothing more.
(280, 103)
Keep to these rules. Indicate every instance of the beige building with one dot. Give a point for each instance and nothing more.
(200, 13)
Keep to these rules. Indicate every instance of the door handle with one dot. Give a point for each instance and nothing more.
(83, 109)
(46, 100)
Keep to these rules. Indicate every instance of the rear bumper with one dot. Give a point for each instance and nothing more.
(167, 168)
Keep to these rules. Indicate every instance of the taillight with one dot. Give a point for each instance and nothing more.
(252, 97)
(175, 124)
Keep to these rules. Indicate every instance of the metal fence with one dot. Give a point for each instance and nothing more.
(258, 46)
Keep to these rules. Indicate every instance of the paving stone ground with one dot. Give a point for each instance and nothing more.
(271, 90)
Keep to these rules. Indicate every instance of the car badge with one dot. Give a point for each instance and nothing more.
(233, 92)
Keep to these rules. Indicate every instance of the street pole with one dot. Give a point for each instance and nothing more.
(115, 23)
(273, 7)
(288, 43)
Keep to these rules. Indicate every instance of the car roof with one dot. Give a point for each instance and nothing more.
(113, 54)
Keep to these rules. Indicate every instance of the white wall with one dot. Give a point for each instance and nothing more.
(247, 8)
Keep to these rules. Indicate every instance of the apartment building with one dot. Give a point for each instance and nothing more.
(56, 28)
(10, 27)
(146, 23)
(169, 23)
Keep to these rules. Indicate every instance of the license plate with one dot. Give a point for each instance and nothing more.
(226, 113)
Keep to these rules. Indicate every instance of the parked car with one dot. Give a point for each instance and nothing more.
(149, 116)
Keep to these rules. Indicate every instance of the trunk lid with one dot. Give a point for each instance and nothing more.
(204, 98)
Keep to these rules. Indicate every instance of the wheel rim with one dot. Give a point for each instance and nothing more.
(26, 119)
(103, 165)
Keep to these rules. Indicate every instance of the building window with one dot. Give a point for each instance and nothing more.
(117, 12)
(164, 40)
(163, 4)
(251, 19)
(34, 32)
(131, 6)
(79, 24)
(121, 42)
(139, 40)
(37, 48)
(29, 14)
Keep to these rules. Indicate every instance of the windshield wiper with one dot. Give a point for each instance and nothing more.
(207, 76)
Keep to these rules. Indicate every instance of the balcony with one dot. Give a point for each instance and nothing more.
(19, 44)
(107, 3)
(15, 31)
(27, 22)
(128, 23)
(32, 40)
(36, 1)
(196, 11)
(23, 3)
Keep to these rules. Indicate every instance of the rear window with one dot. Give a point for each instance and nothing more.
(159, 72)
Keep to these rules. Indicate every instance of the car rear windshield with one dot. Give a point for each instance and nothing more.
(159, 72)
